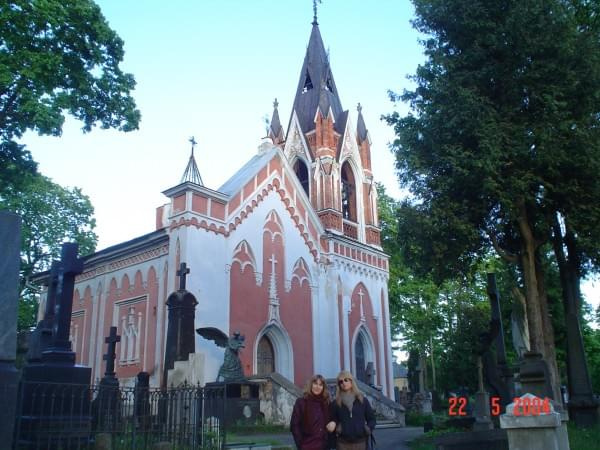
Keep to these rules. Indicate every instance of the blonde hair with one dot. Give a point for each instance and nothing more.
(308, 387)
(354, 388)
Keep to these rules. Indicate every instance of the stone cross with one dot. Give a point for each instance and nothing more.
(182, 273)
(362, 312)
(273, 300)
(110, 355)
(70, 267)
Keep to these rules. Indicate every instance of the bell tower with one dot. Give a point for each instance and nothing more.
(331, 157)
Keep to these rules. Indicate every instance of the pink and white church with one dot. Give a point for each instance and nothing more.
(287, 252)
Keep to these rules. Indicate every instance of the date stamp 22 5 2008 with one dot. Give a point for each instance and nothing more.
(523, 406)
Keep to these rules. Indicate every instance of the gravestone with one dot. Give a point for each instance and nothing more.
(10, 245)
(370, 373)
(57, 375)
(106, 407)
(181, 334)
(40, 338)
(498, 375)
(142, 401)
(539, 431)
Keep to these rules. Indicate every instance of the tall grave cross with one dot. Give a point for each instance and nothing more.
(182, 273)
(70, 266)
(110, 355)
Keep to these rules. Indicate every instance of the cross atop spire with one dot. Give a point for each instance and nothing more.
(191, 173)
(193, 142)
(314, 22)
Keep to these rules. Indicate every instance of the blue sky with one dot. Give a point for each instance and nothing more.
(211, 69)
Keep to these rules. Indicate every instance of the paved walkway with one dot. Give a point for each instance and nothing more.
(387, 438)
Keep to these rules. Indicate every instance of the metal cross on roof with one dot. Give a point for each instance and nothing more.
(315, 11)
(192, 141)
(182, 273)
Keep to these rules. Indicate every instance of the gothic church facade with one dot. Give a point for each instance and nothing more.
(286, 252)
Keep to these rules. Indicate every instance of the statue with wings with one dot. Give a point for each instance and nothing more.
(231, 369)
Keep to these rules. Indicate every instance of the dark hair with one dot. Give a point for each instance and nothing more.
(308, 387)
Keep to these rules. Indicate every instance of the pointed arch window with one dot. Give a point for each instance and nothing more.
(348, 193)
(301, 172)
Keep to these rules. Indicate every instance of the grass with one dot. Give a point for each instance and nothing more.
(584, 438)
(579, 439)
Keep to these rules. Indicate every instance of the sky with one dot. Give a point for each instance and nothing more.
(211, 69)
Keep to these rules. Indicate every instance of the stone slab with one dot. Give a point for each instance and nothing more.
(10, 248)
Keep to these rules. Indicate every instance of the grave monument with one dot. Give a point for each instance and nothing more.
(10, 243)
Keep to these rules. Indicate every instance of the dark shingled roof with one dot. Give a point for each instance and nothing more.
(316, 88)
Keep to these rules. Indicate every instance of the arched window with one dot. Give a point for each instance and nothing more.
(265, 357)
(302, 173)
(348, 193)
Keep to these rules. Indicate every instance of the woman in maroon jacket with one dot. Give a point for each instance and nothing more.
(310, 423)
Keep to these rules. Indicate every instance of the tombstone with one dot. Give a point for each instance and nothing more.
(181, 334)
(370, 373)
(58, 423)
(106, 407)
(10, 243)
(40, 339)
(539, 431)
(482, 413)
(498, 375)
(142, 401)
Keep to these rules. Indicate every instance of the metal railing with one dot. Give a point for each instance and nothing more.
(68, 416)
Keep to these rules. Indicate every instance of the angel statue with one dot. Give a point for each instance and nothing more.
(231, 369)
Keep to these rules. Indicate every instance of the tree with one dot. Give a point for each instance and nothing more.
(56, 57)
(50, 216)
(503, 136)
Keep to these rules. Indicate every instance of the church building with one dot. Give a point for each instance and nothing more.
(287, 252)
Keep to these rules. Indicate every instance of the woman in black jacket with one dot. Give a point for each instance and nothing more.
(352, 413)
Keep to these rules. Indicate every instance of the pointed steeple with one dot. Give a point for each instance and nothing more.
(364, 141)
(361, 128)
(316, 87)
(191, 173)
(275, 128)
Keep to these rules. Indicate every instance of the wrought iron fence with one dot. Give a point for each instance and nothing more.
(67, 416)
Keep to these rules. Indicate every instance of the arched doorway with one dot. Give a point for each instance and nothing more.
(265, 356)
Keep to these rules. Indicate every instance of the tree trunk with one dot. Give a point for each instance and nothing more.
(534, 313)
(580, 387)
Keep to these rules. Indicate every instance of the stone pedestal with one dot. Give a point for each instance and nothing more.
(190, 372)
(483, 419)
(242, 403)
(533, 431)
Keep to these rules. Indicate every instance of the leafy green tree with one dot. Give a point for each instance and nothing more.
(503, 137)
(50, 216)
(56, 57)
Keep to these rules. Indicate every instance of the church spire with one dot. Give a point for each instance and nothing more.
(191, 173)
(275, 128)
(316, 88)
